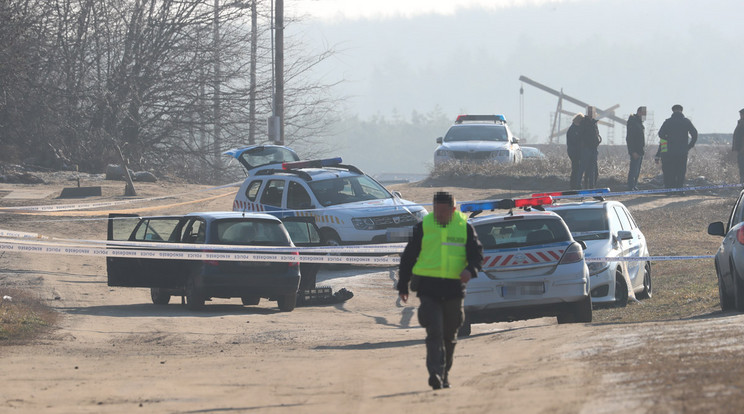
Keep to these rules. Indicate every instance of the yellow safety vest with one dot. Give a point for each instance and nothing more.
(443, 253)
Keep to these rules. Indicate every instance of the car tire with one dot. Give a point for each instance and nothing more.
(465, 329)
(194, 298)
(727, 301)
(647, 290)
(159, 297)
(287, 303)
(250, 300)
(621, 289)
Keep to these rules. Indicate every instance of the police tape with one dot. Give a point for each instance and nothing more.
(651, 191)
(647, 258)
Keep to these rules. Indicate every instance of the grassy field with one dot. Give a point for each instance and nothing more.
(22, 315)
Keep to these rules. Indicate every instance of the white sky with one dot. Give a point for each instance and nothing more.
(357, 9)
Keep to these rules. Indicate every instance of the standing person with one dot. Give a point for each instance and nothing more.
(573, 147)
(443, 254)
(590, 140)
(678, 136)
(635, 138)
(738, 144)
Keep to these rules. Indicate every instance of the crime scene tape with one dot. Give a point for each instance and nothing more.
(608, 193)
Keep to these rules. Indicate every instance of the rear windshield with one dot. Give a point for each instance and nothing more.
(521, 233)
(251, 232)
(586, 223)
(476, 133)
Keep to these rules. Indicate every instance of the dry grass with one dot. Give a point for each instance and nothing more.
(23, 317)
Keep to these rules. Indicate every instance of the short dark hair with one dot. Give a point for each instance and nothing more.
(442, 197)
(677, 107)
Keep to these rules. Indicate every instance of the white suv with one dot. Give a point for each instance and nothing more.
(478, 138)
(349, 206)
(609, 231)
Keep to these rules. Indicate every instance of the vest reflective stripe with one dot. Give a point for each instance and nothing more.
(443, 253)
(664, 146)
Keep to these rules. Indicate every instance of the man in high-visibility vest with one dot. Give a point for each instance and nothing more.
(442, 255)
(677, 137)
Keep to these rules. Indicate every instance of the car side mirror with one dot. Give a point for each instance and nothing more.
(716, 229)
(515, 140)
(624, 235)
(439, 140)
(397, 194)
(582, 243)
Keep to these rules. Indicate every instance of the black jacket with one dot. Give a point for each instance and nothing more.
(677, 130)
(635, 135)
(573, 142)
(434, 286)
(589, 133)
(738, 141)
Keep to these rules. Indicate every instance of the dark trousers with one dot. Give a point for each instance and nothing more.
(634, 171)
(442, 319)
(575, 179)
(589, 166)
(740, 161)
(674, 168)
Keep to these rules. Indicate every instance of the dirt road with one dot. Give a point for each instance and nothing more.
(116, 352)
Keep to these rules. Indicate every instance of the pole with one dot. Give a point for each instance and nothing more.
(279, 69)
(252, 96)
(217, 104)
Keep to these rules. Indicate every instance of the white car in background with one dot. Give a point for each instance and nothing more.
(609, 230)
(532, 268)
(478, 138)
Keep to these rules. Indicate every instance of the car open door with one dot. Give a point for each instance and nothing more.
(304, 233)
(120, 228)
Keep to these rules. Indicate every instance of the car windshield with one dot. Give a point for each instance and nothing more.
(586, 223)
(477, 132)
(344, 190)
(259, 156)
(521, 233)
(251, 232)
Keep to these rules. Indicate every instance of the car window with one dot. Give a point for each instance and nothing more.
(194, 231)
(633, 224)
(521, 233)
(252, 190)
(614, 220)
(158, 229)
(251, 232)
(273, 193)
(476, 133)
(624, 222)
(586, 223)
(347, 190)
(302, 232)
(297, 197)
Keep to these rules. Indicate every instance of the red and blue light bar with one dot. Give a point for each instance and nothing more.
(494, 118)
(505, 204)
(595, 192)
(327, 162)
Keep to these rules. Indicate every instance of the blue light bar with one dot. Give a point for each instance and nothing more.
(487, 205)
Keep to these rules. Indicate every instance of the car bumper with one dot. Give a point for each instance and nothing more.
(233, 285)
(603, 286)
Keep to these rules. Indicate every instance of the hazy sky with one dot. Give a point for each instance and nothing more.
(467, 56)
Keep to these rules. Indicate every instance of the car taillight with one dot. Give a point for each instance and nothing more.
(740, 235)
(573, 254)
(210, 262)
(295, 264)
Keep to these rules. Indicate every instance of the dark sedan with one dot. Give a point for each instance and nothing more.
(729, 259)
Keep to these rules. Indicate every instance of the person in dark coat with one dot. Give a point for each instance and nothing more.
(738, 145)
(443, 254)
(635, 138)
(590, 140)
(573, 147)
(678, 137)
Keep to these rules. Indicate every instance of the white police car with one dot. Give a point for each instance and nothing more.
(349, 206)
(478, 138)
(609, 231)
(532, 267)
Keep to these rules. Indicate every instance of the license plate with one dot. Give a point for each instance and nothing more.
(523, 289)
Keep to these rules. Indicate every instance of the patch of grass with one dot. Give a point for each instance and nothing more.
(23, 317)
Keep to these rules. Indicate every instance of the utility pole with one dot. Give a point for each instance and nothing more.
(217, 104)
(279, 70)
(252, 96)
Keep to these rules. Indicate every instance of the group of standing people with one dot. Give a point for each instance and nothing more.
(677, 136)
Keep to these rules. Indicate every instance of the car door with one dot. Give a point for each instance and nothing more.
(120, 227)
(632, 247)
(272, 196)
(726, 249)
(304, 233)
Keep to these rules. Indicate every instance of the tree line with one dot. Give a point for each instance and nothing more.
(167, 85)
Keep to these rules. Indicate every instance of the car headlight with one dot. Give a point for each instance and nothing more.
(444, 153)
(420, 214)
(597, 267)
(363, 223)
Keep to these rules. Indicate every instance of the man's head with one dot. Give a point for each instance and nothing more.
(578, 118)
(741, 113)
(677, 108)
(444, 206)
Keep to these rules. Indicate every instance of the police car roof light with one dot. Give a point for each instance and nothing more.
(492, 118)
(327, 162)
(533, 201)
(504, 204)
(589, 193)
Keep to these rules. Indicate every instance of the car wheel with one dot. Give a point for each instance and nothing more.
(738, 290)
(465, 329)
(159, 297)
(621, 289)
(287, 303)
(647, 292)
(727, 301)
(329, 237)
(250, 300)
(194, 298)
